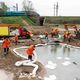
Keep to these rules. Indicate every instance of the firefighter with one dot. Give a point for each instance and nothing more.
(69, 36)
(16, 39)
(56, 32)
(46, 35)
(52, 34)
(65, 36)
(29, 51)
(66, 27)
(6, 45)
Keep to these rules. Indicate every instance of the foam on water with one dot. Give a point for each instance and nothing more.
(66, 63)
(58, 57)
(51, 65)
(51, 77)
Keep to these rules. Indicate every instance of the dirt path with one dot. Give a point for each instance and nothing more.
(25, 23)
(28, 26)
(7, 64)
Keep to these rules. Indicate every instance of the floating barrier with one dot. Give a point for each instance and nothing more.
(69, 46)
(27, 62)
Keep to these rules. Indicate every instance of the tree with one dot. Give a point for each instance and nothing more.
(27, 5)
(3, 6)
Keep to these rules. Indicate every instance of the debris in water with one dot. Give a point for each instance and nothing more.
(75, 63)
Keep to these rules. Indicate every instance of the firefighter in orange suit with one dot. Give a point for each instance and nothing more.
(16, 39)
(29, 51)
(46, 35)
(65, 35)
(6, 45)
(69, 37)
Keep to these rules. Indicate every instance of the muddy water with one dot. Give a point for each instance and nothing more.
(61, 62)
(4, 75)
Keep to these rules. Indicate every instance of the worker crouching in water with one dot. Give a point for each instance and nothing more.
(29, 51)
(6, 45)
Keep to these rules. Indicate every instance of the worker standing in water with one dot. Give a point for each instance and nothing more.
(29, 51)
(16, 39)
(6, 45)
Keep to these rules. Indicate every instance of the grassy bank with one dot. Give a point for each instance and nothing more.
(11, 20)
(63, 19)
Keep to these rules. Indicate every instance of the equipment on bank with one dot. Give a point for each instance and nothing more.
(12, 29)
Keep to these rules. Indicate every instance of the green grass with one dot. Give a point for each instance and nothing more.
(16, 20)
(11, 20)
(63, 19)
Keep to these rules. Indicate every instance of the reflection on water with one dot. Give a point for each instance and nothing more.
(54, 48)
(66, 51)
(63, 57)
(52, 51)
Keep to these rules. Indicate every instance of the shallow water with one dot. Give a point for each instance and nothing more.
(61, 62)
(4, 75)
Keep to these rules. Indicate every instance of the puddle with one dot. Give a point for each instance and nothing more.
(4, 75)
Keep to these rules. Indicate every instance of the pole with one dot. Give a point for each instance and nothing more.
(54, 9)
(57, 7)
(16, 7)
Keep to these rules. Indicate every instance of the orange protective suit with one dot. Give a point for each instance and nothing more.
(6, 43)
(16, 37)
(30, 50)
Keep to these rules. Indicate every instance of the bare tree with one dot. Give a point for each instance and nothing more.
(3, 6)
(27, 5)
